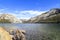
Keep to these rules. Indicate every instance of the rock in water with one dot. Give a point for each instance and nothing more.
(17, 34)
(4, 35)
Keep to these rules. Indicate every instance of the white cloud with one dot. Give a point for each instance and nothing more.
(33, 12)
(28, 13)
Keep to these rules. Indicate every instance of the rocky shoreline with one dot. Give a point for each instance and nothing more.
(12, 34)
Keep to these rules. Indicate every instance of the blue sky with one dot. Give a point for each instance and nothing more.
(27, 8)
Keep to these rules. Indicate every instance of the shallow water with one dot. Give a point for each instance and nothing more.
(37, 31)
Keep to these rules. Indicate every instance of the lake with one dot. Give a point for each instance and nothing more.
(37, 31)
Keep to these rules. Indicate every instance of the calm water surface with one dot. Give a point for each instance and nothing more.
(38, 31)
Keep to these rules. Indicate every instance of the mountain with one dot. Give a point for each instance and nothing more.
(24, 20)
(52, 15)
(8, 18)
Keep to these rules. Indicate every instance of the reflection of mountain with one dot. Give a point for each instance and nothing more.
(8, 18)
(51, 16)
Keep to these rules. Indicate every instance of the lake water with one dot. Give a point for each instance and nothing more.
(38, 31)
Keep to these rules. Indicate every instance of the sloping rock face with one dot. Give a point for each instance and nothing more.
(52, 15)
(8, 18)
(12, 34)
(4, 35)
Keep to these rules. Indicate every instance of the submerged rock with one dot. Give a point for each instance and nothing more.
(4, 35)
(17, 34)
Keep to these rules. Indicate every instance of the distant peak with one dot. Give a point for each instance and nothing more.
(55, 9)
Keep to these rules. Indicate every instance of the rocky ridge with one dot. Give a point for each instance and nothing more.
(52, 15)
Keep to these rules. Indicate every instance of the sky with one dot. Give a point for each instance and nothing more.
(25, 9)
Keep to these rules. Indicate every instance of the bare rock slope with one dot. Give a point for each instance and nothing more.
(8, 18)
(12, 34)
(4, 35)
(52, 15)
